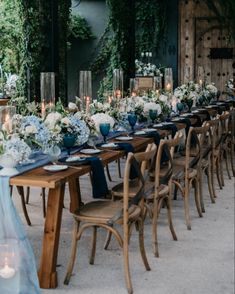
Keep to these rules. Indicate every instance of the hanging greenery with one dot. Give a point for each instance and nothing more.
(133, 27)
(78, 28)
(225, 11)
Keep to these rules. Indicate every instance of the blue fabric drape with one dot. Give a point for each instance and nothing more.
(25, 280)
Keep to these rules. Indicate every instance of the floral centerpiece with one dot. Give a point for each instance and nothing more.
(146, 69)
(188, 93)
(99, 118)
(230, 84)
(98, 107)
(209, 93)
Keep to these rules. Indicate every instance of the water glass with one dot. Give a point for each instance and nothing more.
(104, 130)
(153, 114)
(132, 119)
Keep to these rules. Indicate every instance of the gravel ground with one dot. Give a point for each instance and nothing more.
(200, 262)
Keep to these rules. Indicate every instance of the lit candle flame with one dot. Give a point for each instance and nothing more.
(7, 272)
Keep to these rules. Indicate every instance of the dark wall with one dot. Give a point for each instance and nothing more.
(168, 53)
(96, 13)
(81, 52)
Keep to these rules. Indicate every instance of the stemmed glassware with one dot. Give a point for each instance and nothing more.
(180, 107)
(69, 141)
(153, 115)
(104, 130)
(54, 153)
(132, 119)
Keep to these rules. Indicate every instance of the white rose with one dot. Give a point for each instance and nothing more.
(152, 105)
(65, 121)
(72, 106)
(31, 129)
(52, 119)
(163, 98)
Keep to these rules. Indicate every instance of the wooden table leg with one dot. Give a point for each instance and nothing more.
(47, 271)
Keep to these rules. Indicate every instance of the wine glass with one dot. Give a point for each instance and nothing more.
(69, 141)
(53, 153)
(104, 130)
(132, 119)
(153, 115)
(180, 107)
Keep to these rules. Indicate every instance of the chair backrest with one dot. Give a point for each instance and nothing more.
(224, 126)
(163, 172)
(214, 132)
(203, 140)
(192, 143)
(142, 162)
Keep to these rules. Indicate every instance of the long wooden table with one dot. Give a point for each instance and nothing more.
(55, 182)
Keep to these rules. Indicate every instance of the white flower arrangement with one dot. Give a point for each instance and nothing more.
(211, 88)
(98, 107)
(99, 118)
(153, 106)
(163, 98)
(52, 120)
(230, 84)
(16, 148)
(147, 69)
(189, 91)
(72, 106)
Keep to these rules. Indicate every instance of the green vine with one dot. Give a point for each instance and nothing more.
(78, 28)
(144, 22)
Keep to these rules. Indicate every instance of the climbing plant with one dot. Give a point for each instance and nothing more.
(133, 27)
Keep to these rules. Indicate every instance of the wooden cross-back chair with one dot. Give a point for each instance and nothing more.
(109, 214)
(231, 139)
(162, 189)
(185, 174)
(215, 133)
(224, 150)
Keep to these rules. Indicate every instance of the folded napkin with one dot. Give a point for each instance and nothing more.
(99, 183)
(127, 147)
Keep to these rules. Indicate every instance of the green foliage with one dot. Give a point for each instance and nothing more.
(10, 36)
(78, 28)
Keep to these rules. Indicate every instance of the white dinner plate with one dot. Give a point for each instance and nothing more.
(158, 125)
(109, 145)
(148, 130)
(124, 138)
(55, 168)
(74, 158)
(140, 133)
(90, 151)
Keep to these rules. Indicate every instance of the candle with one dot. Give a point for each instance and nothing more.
(87, 99)
(157, 93)
(118, 94)
(133, 94)
(146, 54)
(43, 109)
(7, 272)
(150, 54)
(142, 54)
(168, 87)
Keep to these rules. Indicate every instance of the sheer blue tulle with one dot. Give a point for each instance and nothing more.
(25, 280)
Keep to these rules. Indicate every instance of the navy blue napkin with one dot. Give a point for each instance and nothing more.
(99, 183)
(127, 147)
(172, 127)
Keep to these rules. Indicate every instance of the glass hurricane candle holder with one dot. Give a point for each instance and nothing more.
(85, 89)
(6, 115)
(168, 80)
(118, 83)
(9, 258)
(47, 90)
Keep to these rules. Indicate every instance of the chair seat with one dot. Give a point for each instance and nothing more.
(163, 191)
(103, 210)
(117, 190)
(181, 160)
(179, 173)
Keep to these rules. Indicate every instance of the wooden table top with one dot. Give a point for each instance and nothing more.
(39, 177)
(4, 102)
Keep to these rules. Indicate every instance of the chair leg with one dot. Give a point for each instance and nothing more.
(197, 197)
(108, 173)
(218, 174)
(43, 194)
(93, 249)
(212, 169)
(221, 170)
(107, 241)
(141, 244)
(186, 207)
(200, 191)
(73, 253)
(232, 159)
(209, 181)
(169, 215)
(127, 266)
(27, 195)
(154, 229)
(226, 163)
(119, 168)
(21, 193)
